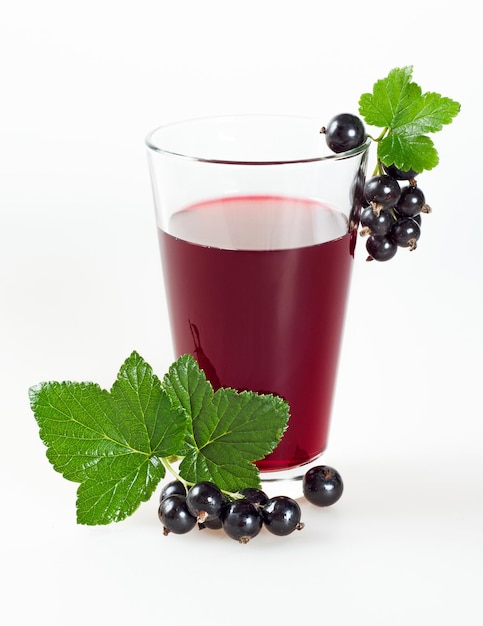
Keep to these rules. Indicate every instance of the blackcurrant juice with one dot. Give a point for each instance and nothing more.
(256, 290)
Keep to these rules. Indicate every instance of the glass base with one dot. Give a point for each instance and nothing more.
(287, 482)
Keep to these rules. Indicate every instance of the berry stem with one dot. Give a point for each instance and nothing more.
(166, 461)
(379, 168)
(385, 131)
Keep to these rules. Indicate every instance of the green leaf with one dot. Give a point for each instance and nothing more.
(398, 105)
(110, 442)
(229, 429)
(417, 153)
(117, 443)
(425, 114)
(187, 387)
(390, 95)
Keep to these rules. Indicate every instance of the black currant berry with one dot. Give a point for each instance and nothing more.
(322, 485)
(242, 520)
(215, 523)
(204, 500)
(175, 486)
(254, 495)
(344, 132)
(383, 192)
(173, 513)
(380, 248)
(406, 232)
(377, 224)
(281, 516)
(395, 172)
(411, 201)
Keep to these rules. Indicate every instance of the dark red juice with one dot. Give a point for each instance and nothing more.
(257, 290)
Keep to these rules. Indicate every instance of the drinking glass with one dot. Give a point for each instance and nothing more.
(257, 222)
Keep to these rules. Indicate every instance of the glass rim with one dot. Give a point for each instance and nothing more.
(333, 156)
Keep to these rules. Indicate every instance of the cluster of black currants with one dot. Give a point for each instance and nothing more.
(391, 216)
(243, 515)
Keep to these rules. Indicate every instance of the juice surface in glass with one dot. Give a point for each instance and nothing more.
(257, 290)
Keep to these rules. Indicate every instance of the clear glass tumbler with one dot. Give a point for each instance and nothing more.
(257, 224)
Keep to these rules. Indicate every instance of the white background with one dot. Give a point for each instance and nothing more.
(81, 83)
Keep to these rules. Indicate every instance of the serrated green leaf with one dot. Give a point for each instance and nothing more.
(110, 442)
(114, 493)
(69, 416)
(149, 420)
(187, 387)
(230, 430)
(390, 95)
(426, 114)
(398, 105)
(406, 153)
